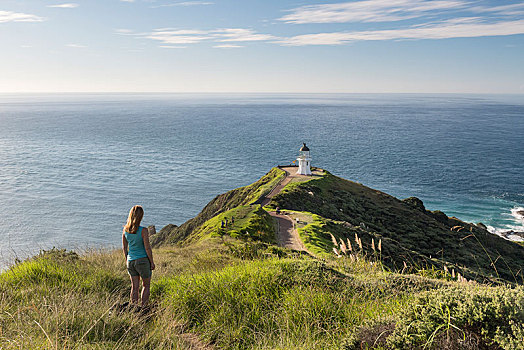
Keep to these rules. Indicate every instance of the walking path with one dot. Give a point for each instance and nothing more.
(279, 187)
(287, 235)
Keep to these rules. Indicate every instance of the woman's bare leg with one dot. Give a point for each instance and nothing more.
(135, 285)
(145, 290)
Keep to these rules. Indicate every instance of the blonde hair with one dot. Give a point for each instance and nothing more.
(133, 220)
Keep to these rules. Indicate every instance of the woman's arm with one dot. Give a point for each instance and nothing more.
(147, 245)
(124, 245)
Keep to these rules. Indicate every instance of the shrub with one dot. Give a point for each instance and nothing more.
(495, 315)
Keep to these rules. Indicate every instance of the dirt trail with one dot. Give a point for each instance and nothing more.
(287, 236)
(277, 189)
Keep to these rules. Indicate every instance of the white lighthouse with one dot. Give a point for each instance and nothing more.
(304, 161)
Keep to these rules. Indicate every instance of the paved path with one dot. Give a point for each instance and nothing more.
(287, 236)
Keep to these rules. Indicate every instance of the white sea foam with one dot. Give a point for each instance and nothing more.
(515, 238)
(518, 216)
(495, 230)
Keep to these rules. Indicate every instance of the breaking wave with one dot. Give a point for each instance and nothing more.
(513, 232)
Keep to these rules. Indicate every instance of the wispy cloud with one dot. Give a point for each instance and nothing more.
(76, 46)
(172, 47)
(369, 11)
(240, 34)
(125, 32)
(178, 36)
(227, 46)
(9, 16)
(65, 6)
(435, 19)
(505, 10)
(453, 22)
(185, 3)
(171, 36)
(455, 28)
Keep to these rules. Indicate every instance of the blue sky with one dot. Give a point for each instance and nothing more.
(462, 46)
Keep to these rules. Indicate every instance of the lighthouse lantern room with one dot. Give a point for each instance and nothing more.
(304, 161)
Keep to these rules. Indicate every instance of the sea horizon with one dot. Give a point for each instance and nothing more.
(69, 153)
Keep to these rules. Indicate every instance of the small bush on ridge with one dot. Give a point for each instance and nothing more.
(494, 314)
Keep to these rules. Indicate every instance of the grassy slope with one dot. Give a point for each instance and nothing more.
(410, 233)
(60, 300)
(221, 203)
(274, 299)
(250, 221)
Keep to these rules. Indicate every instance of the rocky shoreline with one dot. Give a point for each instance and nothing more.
(513, 235)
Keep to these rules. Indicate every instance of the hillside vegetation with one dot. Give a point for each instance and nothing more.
(393, 284)
(248, 295)
(221, 203)
(410, 233)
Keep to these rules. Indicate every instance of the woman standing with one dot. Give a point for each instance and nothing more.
(138, 253)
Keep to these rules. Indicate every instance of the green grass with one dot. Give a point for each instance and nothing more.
(316, 235)
(250, 222)
(238, 197)
(300, 303)
(233, 288)
(414, 235)
(255, 296)
(54, 269)
(54, 299)
(275, 176)
(446, 317)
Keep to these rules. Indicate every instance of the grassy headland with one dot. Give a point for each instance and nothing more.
(232, 288)
(221, 203)
(411, 234)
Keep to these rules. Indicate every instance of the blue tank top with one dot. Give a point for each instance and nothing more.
(135, 245)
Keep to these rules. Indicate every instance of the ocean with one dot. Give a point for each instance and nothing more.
(72, 165)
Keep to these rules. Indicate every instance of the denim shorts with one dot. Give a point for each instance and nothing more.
(139, 267)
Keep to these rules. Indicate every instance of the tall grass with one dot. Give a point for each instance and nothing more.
(261, 298)
(59, 300)
(301, 303)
